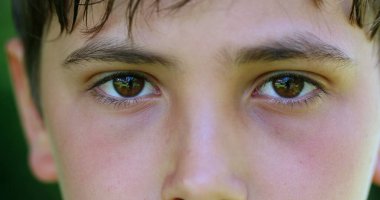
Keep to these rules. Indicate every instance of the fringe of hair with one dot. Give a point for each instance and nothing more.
(359, 10)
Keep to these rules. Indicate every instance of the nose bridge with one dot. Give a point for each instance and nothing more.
(208, 130)
(204, 169)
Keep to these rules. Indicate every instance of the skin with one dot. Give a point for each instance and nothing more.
(206, 134)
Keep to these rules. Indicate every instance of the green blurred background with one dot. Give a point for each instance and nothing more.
(16, 180)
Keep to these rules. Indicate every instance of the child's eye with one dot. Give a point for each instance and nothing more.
(124, 89)
(288, 88)
(127, 86)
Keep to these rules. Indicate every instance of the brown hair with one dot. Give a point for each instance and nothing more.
(32, 16)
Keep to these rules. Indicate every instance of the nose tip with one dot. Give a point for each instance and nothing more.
(203, 176)
(204, 187)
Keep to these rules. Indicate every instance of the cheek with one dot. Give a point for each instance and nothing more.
(101, 153)
(332, 150)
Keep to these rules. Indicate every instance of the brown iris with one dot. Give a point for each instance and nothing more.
(129, 86)
(288, 86)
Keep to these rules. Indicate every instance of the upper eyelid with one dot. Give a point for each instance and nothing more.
(268, 77)
(113, 75)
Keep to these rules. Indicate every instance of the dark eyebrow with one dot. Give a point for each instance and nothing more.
(114, 51)
(298, 46)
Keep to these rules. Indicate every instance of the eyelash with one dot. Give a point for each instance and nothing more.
(318, 94)
(122, 102)
(102, 98)
(114, 102)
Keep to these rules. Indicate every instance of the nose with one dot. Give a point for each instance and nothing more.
(204, 184)
(207, 167)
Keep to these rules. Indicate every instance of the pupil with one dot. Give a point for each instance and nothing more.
(288, 86)
(128, 86)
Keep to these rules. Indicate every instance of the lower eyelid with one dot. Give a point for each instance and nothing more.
(117, 103)
(306, 100)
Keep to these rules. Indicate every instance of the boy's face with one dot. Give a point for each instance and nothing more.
(217, 100)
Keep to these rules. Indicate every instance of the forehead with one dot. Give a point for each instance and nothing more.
(148, 11)
(142, 14)
(217, 24)
(235, 20)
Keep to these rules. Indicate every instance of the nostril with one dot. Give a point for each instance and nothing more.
(178, 199)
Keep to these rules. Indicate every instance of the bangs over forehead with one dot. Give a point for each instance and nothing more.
(360, 10)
